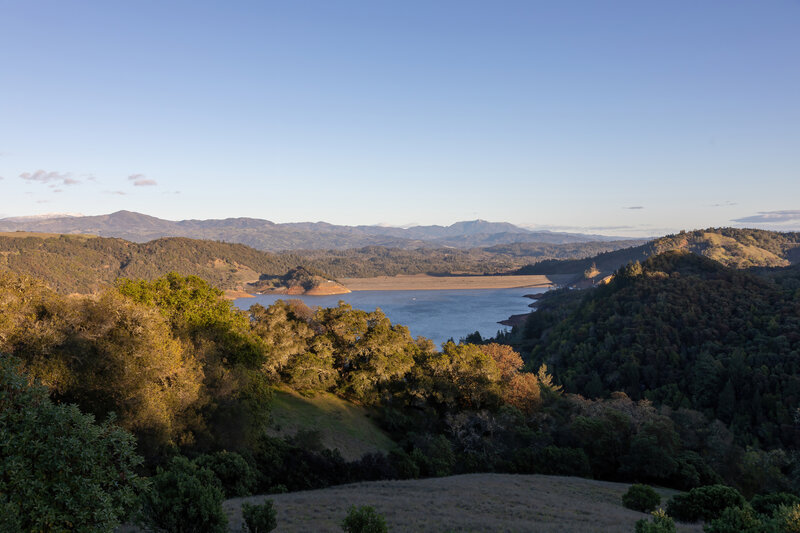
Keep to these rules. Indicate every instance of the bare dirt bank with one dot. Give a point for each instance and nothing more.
(419, 282)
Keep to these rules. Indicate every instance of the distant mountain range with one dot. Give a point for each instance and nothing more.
(269, 236)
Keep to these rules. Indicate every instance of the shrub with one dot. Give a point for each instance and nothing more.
(59, 470)
(184, 498)
(364, 520)
(641, 498)
(787, 518)
(736, 520)
(235, 474)
(259, 518)
(704, 503)
(767, 504)
(661, 524)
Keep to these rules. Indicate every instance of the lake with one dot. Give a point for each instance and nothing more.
(435, 314)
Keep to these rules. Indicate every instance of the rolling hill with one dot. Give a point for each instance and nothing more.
(732, 247)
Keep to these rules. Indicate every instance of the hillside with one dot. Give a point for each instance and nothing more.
(684, 331)
(338, 424)
(472, 502)
(86, 263)
(76, 264)
(737, 248)
(266, 235)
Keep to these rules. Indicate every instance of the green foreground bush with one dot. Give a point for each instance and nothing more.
(641, 498)
(661, 523)
(59, 470)
(259, 518)
(364, 520)
(184, 499)
(704, 503)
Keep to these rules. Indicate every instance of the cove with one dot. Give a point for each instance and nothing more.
(436, 314)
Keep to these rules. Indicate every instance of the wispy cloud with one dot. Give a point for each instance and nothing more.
(140, 180)
(634, 207)
(771, 217)
(121, 193)
(726, 203)
(52, 177)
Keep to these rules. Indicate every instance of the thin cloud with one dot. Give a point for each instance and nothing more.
(42, 176)
(771, 217)
(58, 190)
(140, 180)
(634, 207)
(121, 193)
(724, 204)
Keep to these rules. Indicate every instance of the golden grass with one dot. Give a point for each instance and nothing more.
(343, 425)
(426, 282)
(473, 502)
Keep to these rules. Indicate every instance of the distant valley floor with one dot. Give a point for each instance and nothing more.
(420, 282)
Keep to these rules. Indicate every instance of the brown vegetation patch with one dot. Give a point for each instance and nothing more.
(425, 282)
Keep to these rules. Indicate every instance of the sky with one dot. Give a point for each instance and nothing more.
(616, 117)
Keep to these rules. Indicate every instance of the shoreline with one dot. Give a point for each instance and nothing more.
(421, 282)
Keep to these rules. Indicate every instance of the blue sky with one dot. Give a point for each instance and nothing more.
(616, 117)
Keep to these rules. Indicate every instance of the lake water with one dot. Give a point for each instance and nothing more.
(437, 315)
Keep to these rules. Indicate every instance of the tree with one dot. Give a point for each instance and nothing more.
(59, 470)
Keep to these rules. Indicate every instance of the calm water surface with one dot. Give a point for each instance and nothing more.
(437, 315)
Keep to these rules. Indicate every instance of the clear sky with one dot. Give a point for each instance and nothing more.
(617, 117)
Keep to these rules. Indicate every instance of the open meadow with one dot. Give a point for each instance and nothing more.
(471, 502)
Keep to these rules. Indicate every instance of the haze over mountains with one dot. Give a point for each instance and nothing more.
(266, 235)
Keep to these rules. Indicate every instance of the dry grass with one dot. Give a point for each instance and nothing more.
(473, 502)
(419, 282)
(342, 425)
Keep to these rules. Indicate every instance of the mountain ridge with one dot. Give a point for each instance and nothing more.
(267, 235)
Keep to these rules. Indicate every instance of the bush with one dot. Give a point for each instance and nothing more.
(641, 498)
(184, 498)
(235, 474)
(364, 520)
(736, 520)
(661, 524)
(787, 518)
(767, 504)
(59, 470)
(704, 503)
(259, 518)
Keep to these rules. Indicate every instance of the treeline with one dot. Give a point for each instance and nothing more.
(373, 261)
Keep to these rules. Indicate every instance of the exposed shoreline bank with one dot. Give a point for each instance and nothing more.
(419, 282)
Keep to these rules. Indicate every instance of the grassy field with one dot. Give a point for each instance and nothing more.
(343, 425)
(473, 502)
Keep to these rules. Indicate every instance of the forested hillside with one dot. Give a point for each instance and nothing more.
(684, 331)
(738, 248)
(79, 264)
